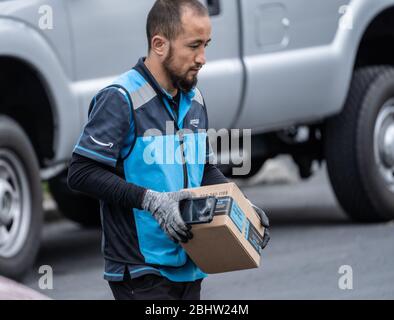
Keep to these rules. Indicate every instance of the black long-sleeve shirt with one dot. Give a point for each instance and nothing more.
(99, 181)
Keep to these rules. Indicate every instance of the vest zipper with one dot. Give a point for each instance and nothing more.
(185, 175)
(185, 178)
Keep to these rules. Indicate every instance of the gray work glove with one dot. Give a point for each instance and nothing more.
(264, 222)
(164, 207)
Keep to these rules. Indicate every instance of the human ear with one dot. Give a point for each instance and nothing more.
(160, 45)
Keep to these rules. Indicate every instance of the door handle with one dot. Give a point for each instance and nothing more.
(213, 7)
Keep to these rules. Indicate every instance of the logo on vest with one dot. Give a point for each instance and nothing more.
(195, 122)
(110, 144)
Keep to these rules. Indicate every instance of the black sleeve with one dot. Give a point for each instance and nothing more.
(96, 180)
(212, 175)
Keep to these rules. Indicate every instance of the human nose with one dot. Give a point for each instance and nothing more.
(200, 59)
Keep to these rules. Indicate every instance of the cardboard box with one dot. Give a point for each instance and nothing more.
(232, 240)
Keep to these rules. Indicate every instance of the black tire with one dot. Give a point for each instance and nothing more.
(74, 205)
(20, 171)
(350, 149)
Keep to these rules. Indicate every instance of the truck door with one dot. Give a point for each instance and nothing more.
(108, 38)
(290, 59)
(221, 80)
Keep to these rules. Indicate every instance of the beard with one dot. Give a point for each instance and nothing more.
(177, 79)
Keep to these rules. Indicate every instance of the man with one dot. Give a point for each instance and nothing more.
(119, 158)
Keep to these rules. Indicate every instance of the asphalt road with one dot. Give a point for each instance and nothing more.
(311, 239)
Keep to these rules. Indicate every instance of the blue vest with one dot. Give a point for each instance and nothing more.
(163, 160)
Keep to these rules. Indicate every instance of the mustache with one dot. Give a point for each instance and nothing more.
(197, 67)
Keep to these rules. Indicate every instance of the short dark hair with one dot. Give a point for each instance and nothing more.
(165, 17)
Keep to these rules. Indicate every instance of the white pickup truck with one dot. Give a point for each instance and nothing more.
(311, 78)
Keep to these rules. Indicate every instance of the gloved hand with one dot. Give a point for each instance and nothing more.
(264, 222)
(164, 207)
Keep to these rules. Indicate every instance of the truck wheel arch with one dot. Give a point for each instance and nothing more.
(28, 101)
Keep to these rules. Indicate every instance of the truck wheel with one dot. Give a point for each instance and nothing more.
(20, 201)
(360, 147)
(74, 205)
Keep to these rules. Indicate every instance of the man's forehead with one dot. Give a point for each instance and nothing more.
(195, 25)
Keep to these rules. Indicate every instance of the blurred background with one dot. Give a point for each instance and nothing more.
(312, 79)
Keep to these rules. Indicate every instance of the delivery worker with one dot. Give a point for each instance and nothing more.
(129, 158)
